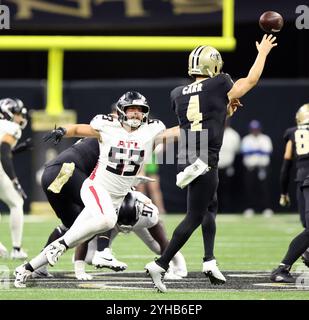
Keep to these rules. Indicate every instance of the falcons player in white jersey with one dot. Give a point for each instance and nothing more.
(139, 215)
(12, 121)
(125, 144)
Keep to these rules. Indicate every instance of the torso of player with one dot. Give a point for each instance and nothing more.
(11, 128)
(122, 153)
(202, 107)
(300, 140)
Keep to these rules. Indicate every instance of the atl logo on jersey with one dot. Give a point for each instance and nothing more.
(128, 144)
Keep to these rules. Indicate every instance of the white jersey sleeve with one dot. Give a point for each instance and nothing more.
(11, 128)
(103, 123)
(156, 126)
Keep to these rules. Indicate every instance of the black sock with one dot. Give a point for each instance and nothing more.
(208, 258)
(29, 267)
(63, 242)
(56, 234)
(102, 243)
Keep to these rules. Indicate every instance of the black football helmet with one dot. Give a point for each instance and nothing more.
(128, 213)
(9, 107)
(129, 99)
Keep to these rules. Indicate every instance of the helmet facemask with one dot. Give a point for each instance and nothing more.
(10, 107)
(132, 99)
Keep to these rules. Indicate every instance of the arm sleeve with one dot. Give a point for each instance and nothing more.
(285, 175)
(6, 160)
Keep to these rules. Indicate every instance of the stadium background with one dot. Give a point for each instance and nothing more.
(95, 79)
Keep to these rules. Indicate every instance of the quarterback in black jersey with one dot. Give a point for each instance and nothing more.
(201, 109)
(297, 147)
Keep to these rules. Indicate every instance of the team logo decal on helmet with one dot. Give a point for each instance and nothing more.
(9, 107)
(130, 99)
(205, 61)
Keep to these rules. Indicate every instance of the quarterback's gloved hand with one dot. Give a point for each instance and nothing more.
(56, 135)
(284, 200)
(19, 188)
(23, 146)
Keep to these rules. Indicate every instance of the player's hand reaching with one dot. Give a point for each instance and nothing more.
(55, 135)
(233, 105)
(284, 200)
(267, 43)
(19, 188)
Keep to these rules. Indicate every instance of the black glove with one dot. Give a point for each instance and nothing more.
(19, 188)
(23, 146)
(56, 135)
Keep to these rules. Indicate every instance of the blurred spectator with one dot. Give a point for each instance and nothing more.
(256, 148)
(230, 147)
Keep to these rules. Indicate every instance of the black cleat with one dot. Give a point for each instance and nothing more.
(282, 275)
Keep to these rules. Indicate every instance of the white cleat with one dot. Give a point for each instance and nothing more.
(41, 272)
(3, 251)
(21, 276)
(171, 275)
(105, 259)
(178, 265)
(212, 272)
(157, 274)
(53, 252)
(19, 254)
(83, 276)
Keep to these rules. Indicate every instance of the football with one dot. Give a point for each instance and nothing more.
(271, 21)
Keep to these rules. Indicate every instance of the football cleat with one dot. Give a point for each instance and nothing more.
(282, 274)
(41, 272)
(178, 265)
(3, 251)
(53, 252)
(19, 254)
(21, 276)
(305, 258)
(212, 272)
(157, 274)
(105, 259)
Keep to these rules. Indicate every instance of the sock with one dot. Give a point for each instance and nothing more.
(63, 243)
(208, 258)
(16, 225)
(38, 261)
(29, 267)
(102, 242)
(56, 234)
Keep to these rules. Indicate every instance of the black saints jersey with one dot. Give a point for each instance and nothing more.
(300, 142)
(84, 153)
(201, 108)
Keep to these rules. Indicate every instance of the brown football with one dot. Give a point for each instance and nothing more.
(271, 21)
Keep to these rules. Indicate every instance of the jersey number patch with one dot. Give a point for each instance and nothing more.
(127, 160)
(193, 113)
(302, 141)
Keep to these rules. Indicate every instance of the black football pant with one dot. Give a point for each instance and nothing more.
(201, 210)
(301, 242)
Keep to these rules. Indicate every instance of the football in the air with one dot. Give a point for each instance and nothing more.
(271, 21)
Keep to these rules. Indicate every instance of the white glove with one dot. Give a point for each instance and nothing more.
(80, 273)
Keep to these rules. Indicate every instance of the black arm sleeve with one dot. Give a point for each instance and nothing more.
(285, 175)
(21, 147)
(6, 160)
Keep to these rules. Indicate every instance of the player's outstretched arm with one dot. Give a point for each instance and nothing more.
(70, 131)
(243, 85)
(168, 135)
